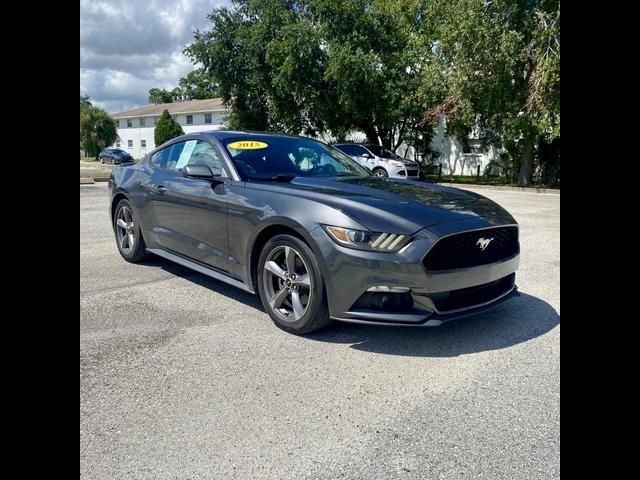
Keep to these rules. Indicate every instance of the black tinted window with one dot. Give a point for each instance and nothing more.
(348, 149)
(382, 152)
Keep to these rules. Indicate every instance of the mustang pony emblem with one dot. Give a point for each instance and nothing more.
(483, 243)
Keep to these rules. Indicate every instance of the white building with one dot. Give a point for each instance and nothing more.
(136, 127)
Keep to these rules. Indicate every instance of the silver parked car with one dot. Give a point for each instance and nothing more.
(382, 162)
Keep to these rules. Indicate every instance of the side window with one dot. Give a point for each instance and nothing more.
(205, 154)
(349, 149)
(174, 156)
(359, 151)
(161, 158)
(191, 152)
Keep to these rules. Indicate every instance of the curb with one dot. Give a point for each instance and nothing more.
(555, 191)
(92, 180)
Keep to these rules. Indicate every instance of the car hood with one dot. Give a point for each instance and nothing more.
(396, 205)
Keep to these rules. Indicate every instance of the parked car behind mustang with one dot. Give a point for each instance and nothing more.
(382, 162)
(313, 233)
(114, 156)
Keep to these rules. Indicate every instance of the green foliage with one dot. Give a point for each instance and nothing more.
(502, 64)
(392, 70)
(85, 102)
(314, 66)
(160, 95)
(97, 129)
(198, 85)
(166, 129)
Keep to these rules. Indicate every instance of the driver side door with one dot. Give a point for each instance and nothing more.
(191, 213)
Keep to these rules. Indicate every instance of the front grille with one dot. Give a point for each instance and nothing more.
(463, 250)
(412, 173)
(469, 297)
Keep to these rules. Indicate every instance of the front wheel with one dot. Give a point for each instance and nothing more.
(380, 172)
(291, 287)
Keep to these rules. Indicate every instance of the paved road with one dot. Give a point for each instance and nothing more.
(183, 377)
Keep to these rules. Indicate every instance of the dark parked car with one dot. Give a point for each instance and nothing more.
(114, 156)
(314, 233)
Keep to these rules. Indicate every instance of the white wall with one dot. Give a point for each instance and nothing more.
(454, 160)
(137, 134)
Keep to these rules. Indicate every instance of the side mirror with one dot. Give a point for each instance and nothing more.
(201, 171)
(366, 155)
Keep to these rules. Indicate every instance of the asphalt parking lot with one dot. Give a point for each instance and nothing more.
(184, 377)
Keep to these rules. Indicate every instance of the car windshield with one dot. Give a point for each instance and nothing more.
(382, 152)
(273, 157)
(115, 150)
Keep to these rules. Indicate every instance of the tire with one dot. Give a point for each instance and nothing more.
(278, 289)
(129, 233)
(380, 172)
(102, 160)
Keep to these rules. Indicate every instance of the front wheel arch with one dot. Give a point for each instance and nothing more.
(262, 238)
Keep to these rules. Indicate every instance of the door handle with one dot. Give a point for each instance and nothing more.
(158, 188)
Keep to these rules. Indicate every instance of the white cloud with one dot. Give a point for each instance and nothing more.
(128, 47)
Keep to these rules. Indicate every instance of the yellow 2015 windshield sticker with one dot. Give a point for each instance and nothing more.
(247, 145)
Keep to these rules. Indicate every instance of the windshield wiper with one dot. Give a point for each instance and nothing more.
(281, 177)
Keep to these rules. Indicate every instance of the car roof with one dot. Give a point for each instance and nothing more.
(355, 143)
(227, 134)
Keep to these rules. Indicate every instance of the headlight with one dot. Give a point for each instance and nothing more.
(364, 240)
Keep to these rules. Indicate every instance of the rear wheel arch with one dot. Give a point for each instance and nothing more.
(114, 202)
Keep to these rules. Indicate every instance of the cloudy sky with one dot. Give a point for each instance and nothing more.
(130, 46)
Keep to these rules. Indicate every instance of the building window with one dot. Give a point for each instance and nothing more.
(129, 123)
(155, 120)
(143, 143)
(207, 118)
(130, 143)
(118, 143)
(189, 119)
(142, 122)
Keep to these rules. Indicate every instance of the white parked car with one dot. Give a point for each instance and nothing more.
(382, 162)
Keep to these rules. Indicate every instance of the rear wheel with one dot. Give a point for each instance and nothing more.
(380, 172)
(291, 287)
(128, 234)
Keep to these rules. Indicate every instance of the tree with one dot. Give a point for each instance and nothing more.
(159, 95)
(85, 101)
(97, 129)
(502, 66)
(166, 129)
(316, 65)
(198, 85)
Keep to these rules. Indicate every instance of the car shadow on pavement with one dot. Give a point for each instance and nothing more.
(206, 282)
(521, 319)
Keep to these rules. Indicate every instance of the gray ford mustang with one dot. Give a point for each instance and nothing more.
(314, 233)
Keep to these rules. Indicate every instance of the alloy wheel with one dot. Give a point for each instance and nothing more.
(125, 230)
(287, 283)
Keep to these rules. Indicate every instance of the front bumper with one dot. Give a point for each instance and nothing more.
(350, 273)
(406, 171)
